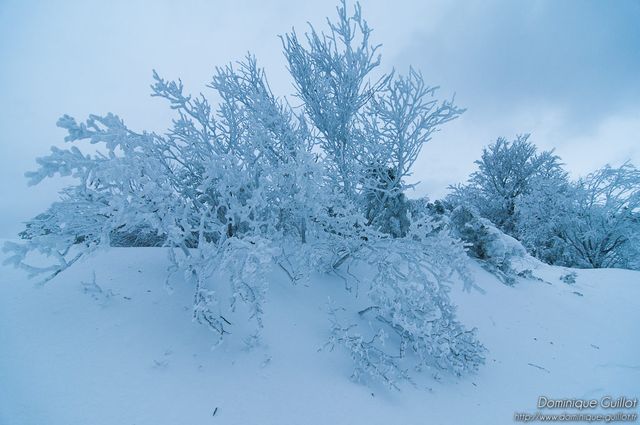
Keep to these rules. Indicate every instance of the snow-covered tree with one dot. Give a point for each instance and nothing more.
(589, 223)
(505, 173)
(604, 223)
(331, 76)
(399, 120)
(543, 214)
(234, 189)
(370, 133)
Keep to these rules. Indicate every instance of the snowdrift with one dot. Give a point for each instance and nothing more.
(107, 343)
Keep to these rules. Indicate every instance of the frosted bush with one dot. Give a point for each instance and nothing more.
(236, 189)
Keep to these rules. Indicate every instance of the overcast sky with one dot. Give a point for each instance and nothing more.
(566, 71)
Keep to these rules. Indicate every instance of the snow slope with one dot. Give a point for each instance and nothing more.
(72, 355)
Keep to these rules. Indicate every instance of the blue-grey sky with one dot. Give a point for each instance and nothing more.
(566, 71)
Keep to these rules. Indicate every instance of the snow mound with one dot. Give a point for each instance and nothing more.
(107, 343)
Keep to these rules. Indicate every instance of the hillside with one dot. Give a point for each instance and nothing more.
(126, 351)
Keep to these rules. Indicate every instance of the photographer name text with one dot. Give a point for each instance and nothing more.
(606, 402)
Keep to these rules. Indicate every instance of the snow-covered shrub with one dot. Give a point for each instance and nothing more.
(244, 263)
(368, 354)
(485, 242)
(68, 230)
(409, 322)
(569, 278)
(138, 237)
(233, 189)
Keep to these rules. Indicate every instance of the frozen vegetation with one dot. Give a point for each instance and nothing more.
(283, 226)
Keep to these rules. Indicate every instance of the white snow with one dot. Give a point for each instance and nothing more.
(123, 350)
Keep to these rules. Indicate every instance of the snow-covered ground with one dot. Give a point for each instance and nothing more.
(126, 351)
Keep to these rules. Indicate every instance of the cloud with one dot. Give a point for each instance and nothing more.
(565, 71)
